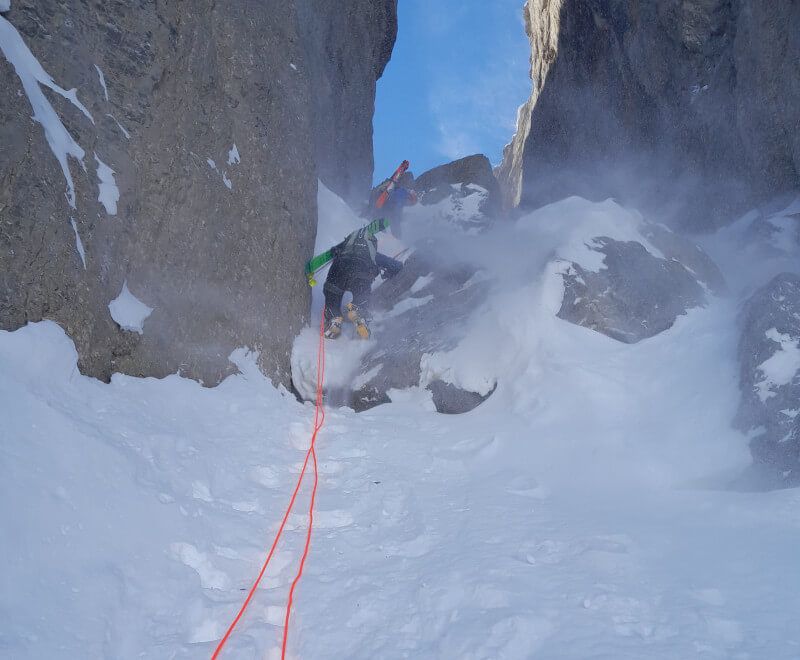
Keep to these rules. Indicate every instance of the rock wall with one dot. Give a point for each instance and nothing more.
(434, 321)
(542, 25)
(211, 121)
(638, 294)
(692, 105)
(769, 378)
(343, 75)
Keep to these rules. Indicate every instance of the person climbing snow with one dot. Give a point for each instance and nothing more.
(400, 194)
(356, 263)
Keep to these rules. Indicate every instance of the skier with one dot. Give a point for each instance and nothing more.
(400, 195)
(356, 263)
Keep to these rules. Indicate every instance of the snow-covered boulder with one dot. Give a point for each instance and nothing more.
(467, 308)
(477, 170)
(464, 193)
(776, 231)
(641, 287)
(769, 355)
(423, 310)
(453, 400)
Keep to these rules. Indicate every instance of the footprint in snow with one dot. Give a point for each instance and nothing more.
(547, 551)
(396, 504)
(351, 453)
(709, 597)
(725, 631)
(612, 543)
(488, 597)
(537, 493)
(518, 636)
(210, 577)
(207, 630)
(417, 547)
(300, 435)
(227, 553)
(481, 447)
(629, 616)
(322, 520)
(247, 507)
(265, 476)
(274, 615)
(324, 467)
(526, 486)
(201, 491)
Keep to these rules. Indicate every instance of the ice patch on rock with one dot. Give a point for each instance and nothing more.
(102, 81)
(233, 156)
(78, 243)
(120, 126)
(781, 368)
(463, 207)
(128, 311)
(585, 222)
(406, 305)
(213, 165)
(109, 193)
(421, 283)
(363, 379)
(449, 368)
(32, 75)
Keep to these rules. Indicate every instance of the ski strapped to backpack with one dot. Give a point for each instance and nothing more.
(392, 183)
(321, 260)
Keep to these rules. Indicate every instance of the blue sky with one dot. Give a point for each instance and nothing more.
(458, 72)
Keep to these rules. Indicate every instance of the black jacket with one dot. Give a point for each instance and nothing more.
(360, 251)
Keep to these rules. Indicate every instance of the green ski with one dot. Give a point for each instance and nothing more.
(321, 260)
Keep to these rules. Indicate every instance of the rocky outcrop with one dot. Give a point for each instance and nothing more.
(693, 100)
(426, 308)
(414, 320)
(639, 293)
(471, 169)
(348, 46)
(452, 400)
(769, 378)
(464, 192)
(542, 25)
(189, 154)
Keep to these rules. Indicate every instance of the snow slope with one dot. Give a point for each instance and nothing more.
(577, 513)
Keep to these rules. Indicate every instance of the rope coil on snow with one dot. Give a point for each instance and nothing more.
(311, 454)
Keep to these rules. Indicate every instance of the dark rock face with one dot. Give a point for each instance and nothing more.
(469, 189)
(769, 378)
(643, 100)
(436, 183)
(434, 325)
(638, 294)
(452, 400)
(348, 45)
(212, 244)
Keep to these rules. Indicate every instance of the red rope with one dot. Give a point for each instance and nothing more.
(319, 420)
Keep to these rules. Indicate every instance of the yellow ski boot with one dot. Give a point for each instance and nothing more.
(334, 328)
(354, 317)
